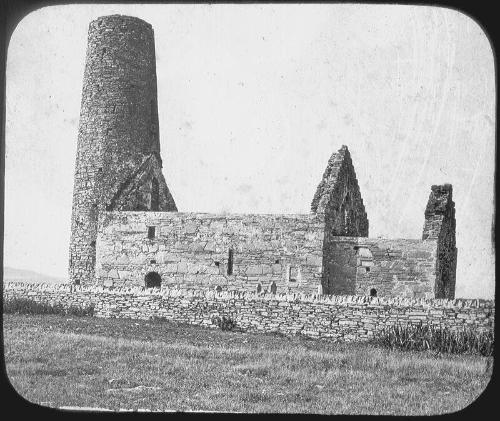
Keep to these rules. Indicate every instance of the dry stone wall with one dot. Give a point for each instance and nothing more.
(237, 252)
(346, 318)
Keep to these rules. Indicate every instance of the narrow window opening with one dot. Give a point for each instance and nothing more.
(230, 262)
(152, 261)
(152, 280)
(273, 288)
(367, 269)
(373, 292)
(151, 232)
(259, 288)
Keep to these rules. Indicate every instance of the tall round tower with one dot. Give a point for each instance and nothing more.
(118, 163)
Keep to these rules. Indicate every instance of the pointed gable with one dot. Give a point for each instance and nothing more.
(338, 197)
(145, 189)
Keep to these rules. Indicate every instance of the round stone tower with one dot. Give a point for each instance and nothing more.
(118, 163)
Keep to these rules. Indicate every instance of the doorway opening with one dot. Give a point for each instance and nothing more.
(152, 280)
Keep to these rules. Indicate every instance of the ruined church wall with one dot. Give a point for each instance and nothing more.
(440, 225)
(344, 318)
(393, 267)
(192, 250)
(338, 198)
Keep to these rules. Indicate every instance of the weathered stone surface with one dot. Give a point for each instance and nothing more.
(338, 198)
(125, 224)
(118, 165)
(340, 318)
(440, 225)
(190, 261)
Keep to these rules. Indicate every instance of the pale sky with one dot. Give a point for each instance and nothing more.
(253, 100)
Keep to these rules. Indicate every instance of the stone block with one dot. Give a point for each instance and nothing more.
(314, 260)
(171, 267)
(210, 246)
(123, 259)
(253, 270)
(277, 268)
(190, 228)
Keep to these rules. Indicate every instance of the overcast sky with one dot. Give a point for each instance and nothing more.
(253, 100)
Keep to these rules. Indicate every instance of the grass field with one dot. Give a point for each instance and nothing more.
(118, 363)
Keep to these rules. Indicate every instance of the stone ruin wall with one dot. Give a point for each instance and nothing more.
(440, 225)
(342, 318)
(280, 252)
(393, 268)
(355, 264)
(118, 136)
(338, 198)
(192, 250)
(118, 168)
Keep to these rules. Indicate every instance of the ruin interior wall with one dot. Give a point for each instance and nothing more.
(233, 251)
(390, 267)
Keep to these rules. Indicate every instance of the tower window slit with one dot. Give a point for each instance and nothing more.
(151, 232)
(230, 262)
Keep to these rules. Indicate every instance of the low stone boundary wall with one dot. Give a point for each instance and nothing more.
(320, 316)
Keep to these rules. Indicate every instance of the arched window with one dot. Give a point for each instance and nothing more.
(259, 287)
(373, 292)
(152, 280)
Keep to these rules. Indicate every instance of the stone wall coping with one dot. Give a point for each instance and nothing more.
(368, 240)
(175, 214)
(178, 291)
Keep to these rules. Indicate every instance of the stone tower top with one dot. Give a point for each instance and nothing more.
(120, 20)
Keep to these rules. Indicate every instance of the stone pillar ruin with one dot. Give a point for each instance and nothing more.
(440, 225)
(118, 163)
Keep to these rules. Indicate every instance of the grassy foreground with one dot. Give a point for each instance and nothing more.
(117, 363)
